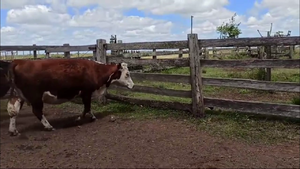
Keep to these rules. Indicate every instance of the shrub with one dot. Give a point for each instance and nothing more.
(296, 100)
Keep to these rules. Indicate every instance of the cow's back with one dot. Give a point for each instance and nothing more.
(54, 74)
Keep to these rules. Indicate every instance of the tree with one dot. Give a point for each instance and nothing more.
(229, 30)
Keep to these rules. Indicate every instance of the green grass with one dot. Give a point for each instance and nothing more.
(3, 106)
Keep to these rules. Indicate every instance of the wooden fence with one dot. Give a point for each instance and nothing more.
(195, 78)
(197, 81)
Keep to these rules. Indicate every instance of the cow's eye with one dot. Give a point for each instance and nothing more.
(127, 74)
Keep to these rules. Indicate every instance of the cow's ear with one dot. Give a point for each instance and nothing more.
(124, 65)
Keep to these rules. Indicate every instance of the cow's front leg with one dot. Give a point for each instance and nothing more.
(86, 100)
(13, 108)
(37, 109)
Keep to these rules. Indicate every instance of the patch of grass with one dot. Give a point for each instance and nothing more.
(3, 104)
(296, 100)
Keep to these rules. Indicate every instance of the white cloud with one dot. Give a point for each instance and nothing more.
(283, 14)
(48, 21)
(10, 4)
(36, 15)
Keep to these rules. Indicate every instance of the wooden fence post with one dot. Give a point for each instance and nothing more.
(67, 54)
(269, 56)
(154, 54)
(101, 56)
(47, 54)
(291, 53)
(100, 50)
(206, 53)
(180, 53)
(196, 76)
(34, 53)
(214, 52)
(94, 55)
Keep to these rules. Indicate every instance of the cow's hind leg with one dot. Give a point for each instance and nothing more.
(86, 100)
(14, 106)
(37, 109)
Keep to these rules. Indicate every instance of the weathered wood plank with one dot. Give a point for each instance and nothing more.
(101, 51)
(284, 110)
(67, 54)
(253, 63)
(292, 40)
(101, 57)
(152, 103)
(222, 82)
(48, 48)
(267, 41)
(145, 54)
(253, 84)
(158, 77)
(154, 54)
(195, 76)
(148, 45)
(34, 53)
(182, 62)
(154, 90)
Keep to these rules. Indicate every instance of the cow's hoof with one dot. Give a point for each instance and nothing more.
(92, 119)
(14, 133)
(78, 119)
(49, 128)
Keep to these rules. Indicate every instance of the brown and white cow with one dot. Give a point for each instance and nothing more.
(55, 81)
(15, 103)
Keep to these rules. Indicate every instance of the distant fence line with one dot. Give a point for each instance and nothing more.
(195, 79)
(252, 44)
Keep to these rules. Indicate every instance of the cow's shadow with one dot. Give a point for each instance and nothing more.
(65, 122)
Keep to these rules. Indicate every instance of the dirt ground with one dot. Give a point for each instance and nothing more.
(130, 144)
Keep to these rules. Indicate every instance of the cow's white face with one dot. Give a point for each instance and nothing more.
(125, 78)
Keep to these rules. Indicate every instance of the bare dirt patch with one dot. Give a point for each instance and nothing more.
(131, 143)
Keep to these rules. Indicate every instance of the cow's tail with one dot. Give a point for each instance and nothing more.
(11, 78)
(14, 90)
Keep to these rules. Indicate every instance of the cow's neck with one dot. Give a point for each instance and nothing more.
(109, 80)
(107, 77)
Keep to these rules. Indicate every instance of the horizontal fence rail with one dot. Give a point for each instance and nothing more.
(222, 82)
(283, 110)
(48, 48)
(154, 90)
(252, 63)
(148, 45)
(184, 62)
(265, 41)
(257, 41)
(152, 103)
